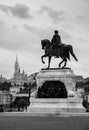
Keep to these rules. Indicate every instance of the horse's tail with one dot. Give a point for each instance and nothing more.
(72, 52)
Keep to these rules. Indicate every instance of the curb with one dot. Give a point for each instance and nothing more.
(43, 114)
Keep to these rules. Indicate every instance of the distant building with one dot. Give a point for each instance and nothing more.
(14, 90)
(2, 79)
(21, 95)
(80, 90)
(5, 98)
(18, 78)
(79, 78)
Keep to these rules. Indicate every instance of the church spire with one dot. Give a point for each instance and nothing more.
(17, 69)
(16, 58)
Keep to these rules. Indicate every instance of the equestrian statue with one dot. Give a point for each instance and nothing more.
(55, 48)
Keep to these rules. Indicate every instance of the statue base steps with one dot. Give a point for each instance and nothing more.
(55, 106)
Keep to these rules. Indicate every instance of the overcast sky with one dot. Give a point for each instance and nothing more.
(24, 23)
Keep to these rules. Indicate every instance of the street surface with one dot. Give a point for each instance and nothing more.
(44, 123)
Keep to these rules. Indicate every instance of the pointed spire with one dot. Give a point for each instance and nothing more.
(16, 66)
(16, 58)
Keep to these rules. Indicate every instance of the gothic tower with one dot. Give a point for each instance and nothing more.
(19, 78)
(16, 68)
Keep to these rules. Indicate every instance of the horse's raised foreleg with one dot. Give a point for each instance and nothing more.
(49, 60)
(42, 58)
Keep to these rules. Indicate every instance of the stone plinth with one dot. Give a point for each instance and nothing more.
(66, 76)
(56, 105)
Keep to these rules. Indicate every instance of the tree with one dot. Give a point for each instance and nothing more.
(5, 86)
(25, 85)
(21, 102)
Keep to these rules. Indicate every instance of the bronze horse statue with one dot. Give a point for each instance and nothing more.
(63, 52)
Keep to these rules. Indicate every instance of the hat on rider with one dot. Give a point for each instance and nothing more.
(56, 31)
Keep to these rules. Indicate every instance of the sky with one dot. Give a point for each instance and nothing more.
(24, 23)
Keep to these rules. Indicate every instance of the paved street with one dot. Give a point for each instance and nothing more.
(44, 123)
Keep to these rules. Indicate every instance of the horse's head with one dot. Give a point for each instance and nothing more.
(45, 43)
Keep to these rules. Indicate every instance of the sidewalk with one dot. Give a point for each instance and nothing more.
(42, 114)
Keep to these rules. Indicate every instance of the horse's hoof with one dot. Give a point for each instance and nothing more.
(63, 67)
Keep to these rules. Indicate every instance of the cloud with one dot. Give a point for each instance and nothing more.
(11, 39)
(42, 33)
(35, 30)
(47, 33)
(82, 45)
(4, 8)
(2, 24)
(81, 17)
(86, 0)
(55, 15)
(18, 10)
(32, 29)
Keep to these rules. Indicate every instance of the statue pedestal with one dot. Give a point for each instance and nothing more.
(72, 103)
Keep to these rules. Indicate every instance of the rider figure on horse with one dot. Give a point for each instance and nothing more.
(56, 41)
